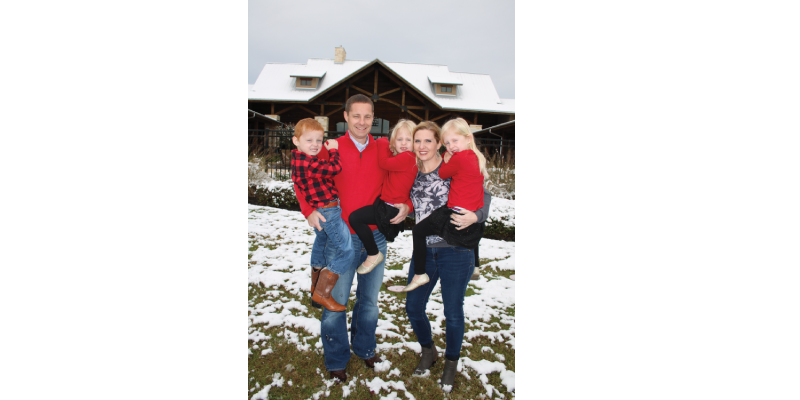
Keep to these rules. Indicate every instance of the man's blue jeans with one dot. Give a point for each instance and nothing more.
(333, 247)
(365, 310)
(454, 266)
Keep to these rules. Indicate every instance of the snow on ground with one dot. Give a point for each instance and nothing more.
(280, 251)
(500, 208)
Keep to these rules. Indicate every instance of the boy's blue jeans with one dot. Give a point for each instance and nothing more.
(364, 321)
(333, 247)
(453, 266)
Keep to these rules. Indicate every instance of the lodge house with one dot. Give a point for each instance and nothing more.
(287, 93)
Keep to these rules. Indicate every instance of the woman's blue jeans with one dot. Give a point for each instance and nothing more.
(333, 247)
(454, 266)
(364, 321)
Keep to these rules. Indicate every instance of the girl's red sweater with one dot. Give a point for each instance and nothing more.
(466, 188)
(360, 181)
(401, 172)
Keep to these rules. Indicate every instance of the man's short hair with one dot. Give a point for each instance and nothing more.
(307, 125)
(358, 98)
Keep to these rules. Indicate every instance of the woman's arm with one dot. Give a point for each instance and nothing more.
(468, 217)
(483, 213)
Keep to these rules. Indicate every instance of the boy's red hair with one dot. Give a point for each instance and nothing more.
(307, 125)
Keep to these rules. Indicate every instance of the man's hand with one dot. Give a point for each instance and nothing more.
(447, 156)
(401, 215)
(332, 144)
(314, 218)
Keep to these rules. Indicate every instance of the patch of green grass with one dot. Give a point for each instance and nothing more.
(398, 265)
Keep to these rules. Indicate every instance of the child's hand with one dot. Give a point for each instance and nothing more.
(332, 144)
(447, 156)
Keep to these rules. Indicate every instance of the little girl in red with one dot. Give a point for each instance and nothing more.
(396, 157)
(467, 168)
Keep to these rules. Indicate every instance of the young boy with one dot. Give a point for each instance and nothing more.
(314, 180)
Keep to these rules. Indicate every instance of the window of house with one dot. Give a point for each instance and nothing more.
(447, 89)
(305, 81)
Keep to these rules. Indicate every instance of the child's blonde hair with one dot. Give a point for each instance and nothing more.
(307, 125)
(461, 127)
(402, 124)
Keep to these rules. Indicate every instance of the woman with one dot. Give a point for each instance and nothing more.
(452, 264)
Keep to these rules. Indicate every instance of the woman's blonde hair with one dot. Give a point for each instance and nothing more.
(402, 124)
(461, 127)
(437, 135)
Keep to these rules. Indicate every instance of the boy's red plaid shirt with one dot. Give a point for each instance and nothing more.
(314, 176)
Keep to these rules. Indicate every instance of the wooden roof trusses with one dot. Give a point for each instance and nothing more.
(375, 82)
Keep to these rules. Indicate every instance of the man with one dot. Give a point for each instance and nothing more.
(359, 184)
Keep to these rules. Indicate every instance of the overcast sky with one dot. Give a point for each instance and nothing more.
(467, 36)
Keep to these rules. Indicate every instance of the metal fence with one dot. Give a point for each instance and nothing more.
(500, 151)
(275, 147)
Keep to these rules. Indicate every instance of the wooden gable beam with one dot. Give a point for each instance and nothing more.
(362, 71)
(413, 93)
(312, 113)
(362, 74)
(415, 115)
(390, 102)
(406, 109)
(361, 90)
(390, 91)
(334, 111)
(440, 117)
(286, 109)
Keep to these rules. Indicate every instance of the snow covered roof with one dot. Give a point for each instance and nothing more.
(308, 73)
(444, 80)
(275, 82)
(475, 93)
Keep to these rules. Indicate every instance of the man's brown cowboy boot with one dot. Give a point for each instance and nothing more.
(338, 375)
(370, 362)
(314, 278)
(322, 292)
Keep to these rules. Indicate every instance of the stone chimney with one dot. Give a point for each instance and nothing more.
(340, 55)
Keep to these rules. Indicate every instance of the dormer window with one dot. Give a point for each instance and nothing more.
(307, 79)
(445, 85)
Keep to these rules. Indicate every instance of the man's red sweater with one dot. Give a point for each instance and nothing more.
(360, 181)
(466, 188)
(402, 170)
